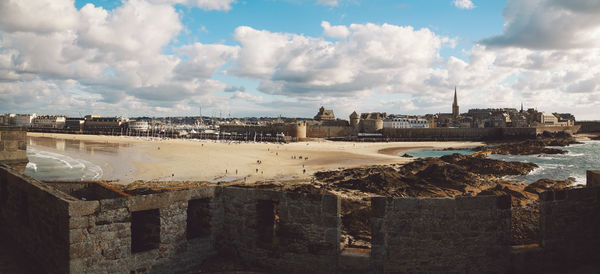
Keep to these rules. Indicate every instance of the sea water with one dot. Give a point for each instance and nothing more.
(579, 159)
(50, 166)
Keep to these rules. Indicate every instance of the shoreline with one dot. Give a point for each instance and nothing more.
(133, 159)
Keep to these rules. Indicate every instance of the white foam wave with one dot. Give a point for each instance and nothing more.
(65, 166)
(32, 166)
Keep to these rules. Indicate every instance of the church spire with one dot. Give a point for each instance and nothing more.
(455, 105)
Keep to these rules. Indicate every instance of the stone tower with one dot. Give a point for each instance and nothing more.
(354, 119)
(455, 106)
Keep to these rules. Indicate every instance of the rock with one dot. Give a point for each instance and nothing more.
(542, 185)
(407, 156)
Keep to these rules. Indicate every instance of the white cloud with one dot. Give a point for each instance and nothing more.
(464, 4)
(224, 5)
(549, 24)
(112, 55)
(331, 3)
(339, 32)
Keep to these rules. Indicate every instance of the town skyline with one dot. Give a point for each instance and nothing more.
(269, 58)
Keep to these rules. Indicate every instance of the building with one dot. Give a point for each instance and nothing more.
(24, 120)
(105, 124)
(7, 119)
(405, 122)
(73, 123)
(548, 119)
(324, 114)
(138, 126)
(371, 122)
(48, 121)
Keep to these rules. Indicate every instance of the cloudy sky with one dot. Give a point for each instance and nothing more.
(288, 57)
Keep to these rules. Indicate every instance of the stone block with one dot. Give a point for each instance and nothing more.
(331, 205)
(150, 201)
(81, 250)
(593, 178)
(406, 204)
(378, 205)
(580, 194)
(475, 203)
(22, 145)
(78, 222)
(111, 204)
(503, 202)
(82, 208)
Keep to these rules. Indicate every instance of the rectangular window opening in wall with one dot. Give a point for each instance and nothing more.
(267, 223)
(198, 218)
(145, 230)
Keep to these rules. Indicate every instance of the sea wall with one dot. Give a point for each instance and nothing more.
(442, 134)
(465, 234)
(13, 147)
(317, 131)
(588, 126)
(555, 129)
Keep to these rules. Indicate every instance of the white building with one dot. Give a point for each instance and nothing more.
(48, 121)
(405, 122)
(138, 126)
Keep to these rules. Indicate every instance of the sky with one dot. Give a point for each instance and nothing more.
(243, 58)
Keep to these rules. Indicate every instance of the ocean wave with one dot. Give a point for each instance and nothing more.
(50, 165)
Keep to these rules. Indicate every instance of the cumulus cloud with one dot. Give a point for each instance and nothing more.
(372, 56)
(464, 4)
(111, 55)
(247, 96)
(339, 32)
(549, 24)
(203, 4)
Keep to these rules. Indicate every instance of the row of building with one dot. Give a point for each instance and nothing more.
(87, 123)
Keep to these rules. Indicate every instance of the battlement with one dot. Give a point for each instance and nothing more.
(91, 227)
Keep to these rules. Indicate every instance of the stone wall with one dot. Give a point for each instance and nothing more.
(102, 233)
(13, 147)
(588, 126)
(283, 231)
(464, 234)
(555, 129)
(318, 131)
(570, 223)
(37, 217)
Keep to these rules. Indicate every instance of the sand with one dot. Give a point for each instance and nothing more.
(128, 159)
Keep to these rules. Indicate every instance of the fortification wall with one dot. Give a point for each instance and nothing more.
(316, 131)
(555, 129)
(293, 130)
(13, 147)
(519, 132)
(570, 222)
(303, 230)
(145, 233)
(442, 133)
(588, 126)
(37, 218)
(464, 234)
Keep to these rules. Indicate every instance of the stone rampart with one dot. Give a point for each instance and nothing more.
(588, 126)
(319, 131)
(37, 216)
(443, 235)
(570, 223)
(555, 129)
(13, 147)
(283, 231)
(88, 227)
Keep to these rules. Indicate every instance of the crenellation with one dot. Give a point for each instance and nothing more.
(286, 231)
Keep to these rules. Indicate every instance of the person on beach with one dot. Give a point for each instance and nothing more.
(236, 172)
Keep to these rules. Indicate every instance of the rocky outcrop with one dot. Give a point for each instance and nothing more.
(530, 147)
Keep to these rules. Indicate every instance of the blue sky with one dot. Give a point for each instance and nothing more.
(288, 57)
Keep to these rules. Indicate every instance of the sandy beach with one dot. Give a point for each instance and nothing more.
(128, 159)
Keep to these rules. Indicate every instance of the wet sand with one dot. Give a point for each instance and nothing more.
(128, 159)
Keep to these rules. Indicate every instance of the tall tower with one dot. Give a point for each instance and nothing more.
(455, 105)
